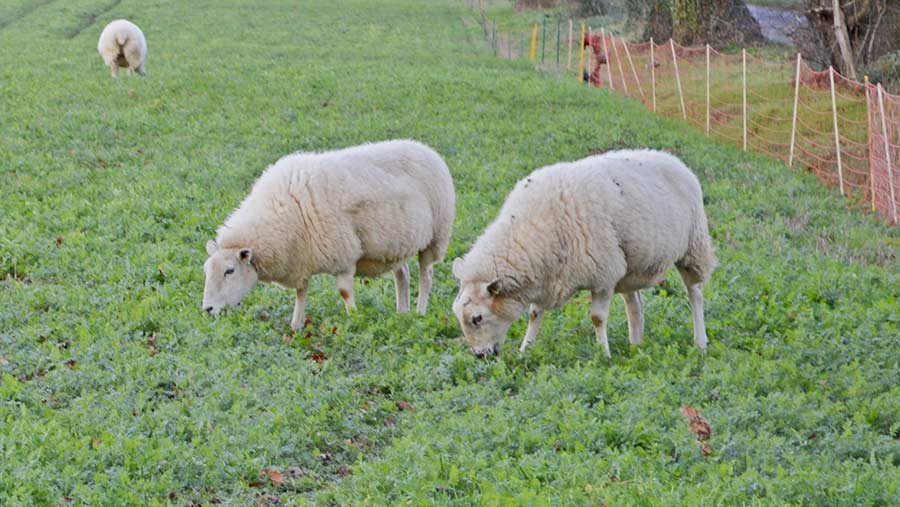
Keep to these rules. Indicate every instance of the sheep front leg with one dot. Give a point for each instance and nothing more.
(345, 289)
(535, 317)
(299, 318)
(634, 307)
(600, 301)
(114, 69)
(401, 287)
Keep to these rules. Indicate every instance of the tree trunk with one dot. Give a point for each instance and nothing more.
(843, 39)
(716, 22)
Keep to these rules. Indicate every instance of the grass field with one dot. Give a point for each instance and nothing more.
(115, 390)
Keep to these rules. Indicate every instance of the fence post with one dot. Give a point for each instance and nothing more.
(494, 36)
(587, 65)
(707, 90)
(612, 38)
(569, 57)
(533, 42)
(653, 72)
(521, 44)
(794, 121)
(608, 66)
(887, 151)
(837, 135)
(869, 137)
(581, 56)
(543, 38)
(744, 78)
(678, 79)
(633, 72)
(558, 26)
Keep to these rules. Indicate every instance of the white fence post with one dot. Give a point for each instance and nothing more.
(707, 90)
(869, 138)
(633, 72)
(678, 79)
(794, 122)
(837, 135)
(612, 38)
(612, 85)
(887, 151)
(744, 61)
(653, 72)
(569, 58)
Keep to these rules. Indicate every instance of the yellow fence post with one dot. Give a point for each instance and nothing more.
(534, 30)
(581, 56)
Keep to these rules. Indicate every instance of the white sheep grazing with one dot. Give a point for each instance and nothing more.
(362, 211)
(611, 223)
(122, 44)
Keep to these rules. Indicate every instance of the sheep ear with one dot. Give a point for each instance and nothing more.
(457, 268)
(211, 247)
(506, 286)
(245, 255)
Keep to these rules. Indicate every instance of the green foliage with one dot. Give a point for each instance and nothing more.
(115, 390)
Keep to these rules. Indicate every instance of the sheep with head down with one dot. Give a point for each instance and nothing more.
(122, 44)
(611, 223)
(360, 211)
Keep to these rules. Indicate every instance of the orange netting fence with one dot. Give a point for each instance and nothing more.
(845, 131)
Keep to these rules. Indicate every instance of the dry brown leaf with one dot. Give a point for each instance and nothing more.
(403, 406)
(275, 477)
(318, 357)
(698, 426)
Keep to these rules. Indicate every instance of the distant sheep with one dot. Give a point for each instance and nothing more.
(122, 44)
(611, 223)
(359, 211)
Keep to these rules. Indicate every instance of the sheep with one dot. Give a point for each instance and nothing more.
(122, 44)
(363, 211)
(611, 223)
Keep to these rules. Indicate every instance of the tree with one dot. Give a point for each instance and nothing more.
(853, 34)
(717, 22)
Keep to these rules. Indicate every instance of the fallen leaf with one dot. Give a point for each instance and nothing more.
(63, 344)
(403, 406)
(706, 450)
(813, 436)
(275, 476)
(344, 470)
(59, 240)
(161, 272)
(698, 425)
(325, 456)
(263, 316)
(823, 382)
(307, 322)
(96, 442)
(66, 500)
(287, 338)
(318, 357)
(173, 495)
(255, 484)
(389, 421)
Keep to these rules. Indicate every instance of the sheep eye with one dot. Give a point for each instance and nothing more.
(477, 320)
(229, 271)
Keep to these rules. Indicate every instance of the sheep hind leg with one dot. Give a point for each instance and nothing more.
(695, 295)
(600, 302)
(634, 307)
(535, 317)
(345, 289)
(299, 317)
(401, 287)
(426, 273)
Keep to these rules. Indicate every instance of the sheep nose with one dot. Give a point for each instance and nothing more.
(208, 309)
